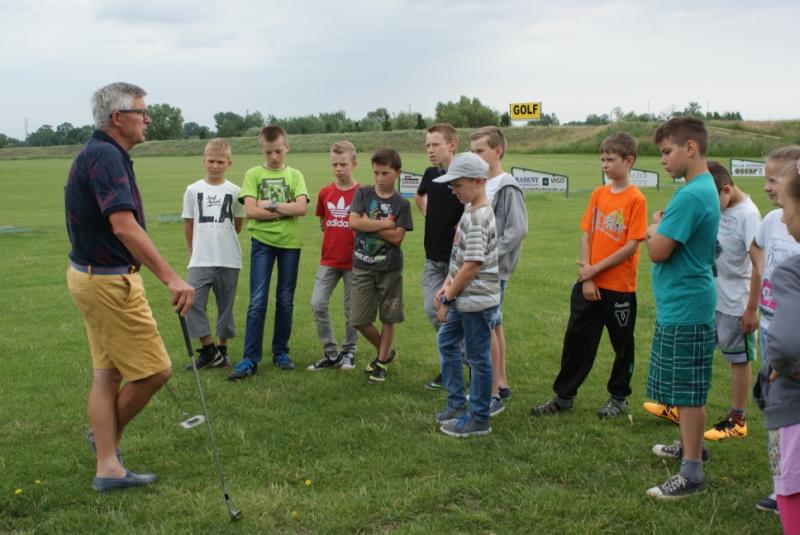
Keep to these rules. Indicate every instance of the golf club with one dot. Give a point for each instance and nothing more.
(186, 421)
(233, 513)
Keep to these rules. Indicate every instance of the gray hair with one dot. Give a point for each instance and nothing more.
(113, 97)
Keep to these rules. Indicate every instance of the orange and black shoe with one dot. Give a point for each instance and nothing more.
(727, 428)
(662, 410)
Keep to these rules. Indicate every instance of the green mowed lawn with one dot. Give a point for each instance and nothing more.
(326, 452)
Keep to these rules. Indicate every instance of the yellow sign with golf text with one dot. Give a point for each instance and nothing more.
(525, 110)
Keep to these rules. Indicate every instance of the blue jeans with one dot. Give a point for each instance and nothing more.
(475, 330)
(262, 260)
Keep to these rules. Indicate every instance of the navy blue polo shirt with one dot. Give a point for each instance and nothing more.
(100, 182)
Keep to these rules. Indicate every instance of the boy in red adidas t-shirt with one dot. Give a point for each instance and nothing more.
(333, 210)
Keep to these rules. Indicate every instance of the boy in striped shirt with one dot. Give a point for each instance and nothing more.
(467, 302)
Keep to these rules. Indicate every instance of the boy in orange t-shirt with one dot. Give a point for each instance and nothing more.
(614, 225)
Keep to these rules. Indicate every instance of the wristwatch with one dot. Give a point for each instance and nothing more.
(445, 301)
(273, 206)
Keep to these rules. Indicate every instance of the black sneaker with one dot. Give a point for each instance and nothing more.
(378, 375)
(370, 367)
(675, 451)
(553, 406)
(209, 357)
(226, 361)
(436, 384)
(677, 487)
(325, 364)
(504, 392)
(244, 369)
(768, 503)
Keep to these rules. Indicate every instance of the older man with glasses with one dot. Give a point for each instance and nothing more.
(106, 227)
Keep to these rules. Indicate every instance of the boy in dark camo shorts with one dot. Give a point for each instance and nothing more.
(380, 217)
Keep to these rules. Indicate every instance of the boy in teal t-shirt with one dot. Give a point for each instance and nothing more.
(275, 197)
(681, 243)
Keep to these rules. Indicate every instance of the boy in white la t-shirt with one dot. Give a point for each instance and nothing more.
(738, 224)
(212, 217)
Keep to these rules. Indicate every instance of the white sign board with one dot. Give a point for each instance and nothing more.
(409, 182)
(747, 168)
(641, 178)
(532, 180)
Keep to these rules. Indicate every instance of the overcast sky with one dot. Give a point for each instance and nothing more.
(302, 57)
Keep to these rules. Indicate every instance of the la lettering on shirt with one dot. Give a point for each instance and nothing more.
(213, 208)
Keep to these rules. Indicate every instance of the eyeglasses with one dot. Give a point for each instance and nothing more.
(141, 111)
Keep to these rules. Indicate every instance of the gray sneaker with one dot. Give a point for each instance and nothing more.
(677, 487)
(675, 451)
(613, 408)
(553, 406)
(348, 360)
(466, 427)
(448, 415)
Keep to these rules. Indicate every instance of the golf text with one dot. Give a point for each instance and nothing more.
(526, 110)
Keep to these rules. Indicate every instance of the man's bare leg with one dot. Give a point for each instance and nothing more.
(135, 395)
(103, 417)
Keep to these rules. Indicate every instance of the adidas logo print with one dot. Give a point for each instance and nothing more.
(339, 210)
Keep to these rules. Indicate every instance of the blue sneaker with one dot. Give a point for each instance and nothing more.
(282, 361)
(244, 369)
(466, 427)
(496, 407)
(450, 414)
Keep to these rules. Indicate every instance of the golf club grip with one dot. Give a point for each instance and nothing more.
(186, 338)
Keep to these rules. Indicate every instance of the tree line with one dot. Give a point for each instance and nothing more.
(167, 122)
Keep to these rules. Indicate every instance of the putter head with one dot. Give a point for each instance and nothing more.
(194, 421)
(235, 514)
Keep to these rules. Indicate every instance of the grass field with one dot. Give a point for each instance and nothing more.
(326, 452)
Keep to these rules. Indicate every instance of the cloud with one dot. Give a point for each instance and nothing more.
(153, 11)
(294, 58)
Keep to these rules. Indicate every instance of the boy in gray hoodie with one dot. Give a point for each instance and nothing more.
(511, 218)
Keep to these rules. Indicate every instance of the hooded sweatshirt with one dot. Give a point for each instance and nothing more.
(511, 219)
(782, 396)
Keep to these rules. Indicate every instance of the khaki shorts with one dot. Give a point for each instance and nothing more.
(119, 324)
(376, 291)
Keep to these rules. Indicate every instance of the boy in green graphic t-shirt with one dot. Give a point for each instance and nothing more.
(275, 197)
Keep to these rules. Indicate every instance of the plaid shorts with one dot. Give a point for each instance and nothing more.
(680, 364)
